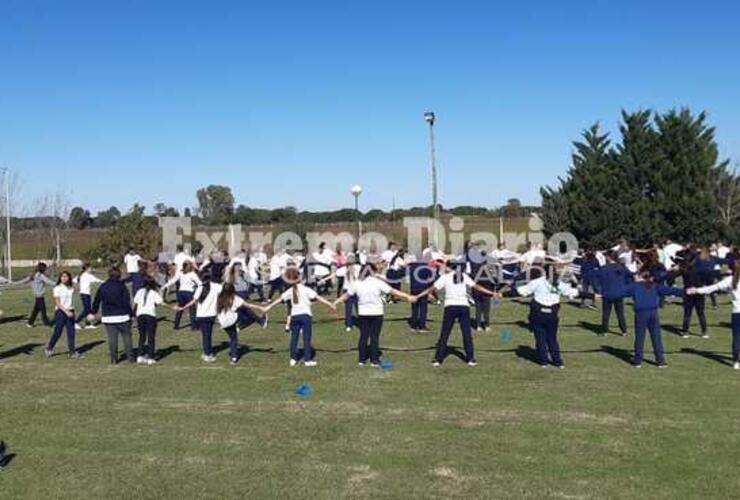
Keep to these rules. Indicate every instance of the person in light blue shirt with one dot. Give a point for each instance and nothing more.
(544, 309)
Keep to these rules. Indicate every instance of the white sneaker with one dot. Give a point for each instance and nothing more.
(312, 362)
(211, 358)
(685, 336)
(436, 364)
(348, 329)
(293, 362)
(360, 364)
(543, 366)
(29, 326)
(91, 327)
(479, 329)
(233, 361)
(487, 329)
(472, 363)
(141, 360)
(736, 366)
(705, 336)
(77, 326)
(150, 361)
(637, 366)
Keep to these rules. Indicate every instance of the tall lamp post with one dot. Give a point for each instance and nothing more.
(356, 192)
(6, 175)
(430, 118)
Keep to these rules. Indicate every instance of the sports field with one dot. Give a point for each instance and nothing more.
(505, 429)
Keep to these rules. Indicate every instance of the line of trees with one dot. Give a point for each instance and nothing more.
(216, 207)
(662, 179)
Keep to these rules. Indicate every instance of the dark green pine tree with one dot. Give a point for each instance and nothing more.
(586, 204)
(642, 164)
(688, 177)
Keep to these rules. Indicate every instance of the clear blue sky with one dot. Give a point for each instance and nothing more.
(290, 103)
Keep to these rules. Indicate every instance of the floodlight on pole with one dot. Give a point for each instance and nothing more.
(356, 192)
(430, 118)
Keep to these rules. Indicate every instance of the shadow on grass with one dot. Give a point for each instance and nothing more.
(526, 353)
(673, 329)
(166, 352)
(5, 461)
(26, 349)
(621, 354)
(89, 346)
(591, 327)
(714, 356)
(11, 319)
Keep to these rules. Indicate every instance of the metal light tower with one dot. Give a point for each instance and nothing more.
(356, 192)
(430, 118)
(6, 175)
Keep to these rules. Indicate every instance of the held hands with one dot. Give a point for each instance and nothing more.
(70, 314)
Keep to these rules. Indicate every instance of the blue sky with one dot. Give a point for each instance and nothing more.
(290, 103)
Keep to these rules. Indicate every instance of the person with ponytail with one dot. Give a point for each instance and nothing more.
(64, 316)
(205, 299)
(299, 296)
(146, 301)
(229, 308)
(544, 311)
(645, 294)
(729, 284)
(455, 285)
(240, 281)
(187, 281)
(369, 290)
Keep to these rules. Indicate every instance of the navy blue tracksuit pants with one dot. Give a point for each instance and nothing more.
(544, 322)
(368, 345)
(62, 321)
(606, 312)
(691, 302)
(182, 299)
(461, 314)
(735, 321)
(301, 324)
(86, 307)
(233, 333)
(206, 330)
(350, 307)
(649, 320)
(419, 311)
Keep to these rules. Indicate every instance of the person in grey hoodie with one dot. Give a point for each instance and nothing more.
(38, 280)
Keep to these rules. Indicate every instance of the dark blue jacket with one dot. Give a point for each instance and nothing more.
(648, 297)
(113, 296)
(611, 280)
(588, 268)
(136, 280)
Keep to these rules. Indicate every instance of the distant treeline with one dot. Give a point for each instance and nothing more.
(216, 207)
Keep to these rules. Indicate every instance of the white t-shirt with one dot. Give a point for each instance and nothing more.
(456, 294)
(277, 265)
(85, 281)
(388, 255)
(207, 308)
(132, 262)
(305, 297)
(64, 294)
(188, 281)
(230, 316)
(146, 302)
(369, 293)
(327, 258)
(180, 259)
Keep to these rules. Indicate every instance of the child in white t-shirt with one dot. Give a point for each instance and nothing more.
(300, 297)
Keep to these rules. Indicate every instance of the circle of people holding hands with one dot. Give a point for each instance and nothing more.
(216, 291)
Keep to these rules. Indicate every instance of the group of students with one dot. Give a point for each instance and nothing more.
(216, 290)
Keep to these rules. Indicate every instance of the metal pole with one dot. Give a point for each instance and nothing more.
(435, 204)
(6, 173)
(357, 217)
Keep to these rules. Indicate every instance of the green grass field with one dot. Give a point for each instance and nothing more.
(506, 429)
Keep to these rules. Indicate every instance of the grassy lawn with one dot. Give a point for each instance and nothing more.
(506, 429)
